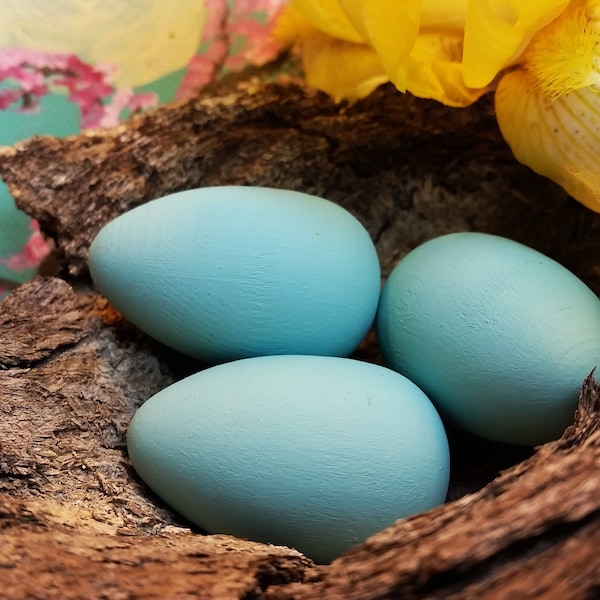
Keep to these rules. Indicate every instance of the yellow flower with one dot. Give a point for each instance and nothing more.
(497, 32)
(549, 109)
(541, 56)
(386, 35)
(324, 57)
(415, 44)
(145, 39)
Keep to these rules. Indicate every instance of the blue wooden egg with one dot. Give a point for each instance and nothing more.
(231, 272)
(311, 452)
(499, 336)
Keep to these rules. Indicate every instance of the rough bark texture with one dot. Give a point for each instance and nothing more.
(74, 519)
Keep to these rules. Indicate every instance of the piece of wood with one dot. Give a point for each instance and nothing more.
(77, 523)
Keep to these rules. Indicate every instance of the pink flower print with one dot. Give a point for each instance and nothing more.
(110, 114)
(236, 34)
(32, 254)
(9, 97)
(203, 66)
(28, 84)
(250, 26)
(33, 74)
(36, 249)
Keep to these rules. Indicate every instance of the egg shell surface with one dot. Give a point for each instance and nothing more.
(498, 335)
(311, 452)
(231, 272)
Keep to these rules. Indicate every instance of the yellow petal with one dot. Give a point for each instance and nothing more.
(327, 16)
(342, 69)
(560, 139)
(290, 27)
(434, 69)
(390, 28)
(448, 14)
(497, 32)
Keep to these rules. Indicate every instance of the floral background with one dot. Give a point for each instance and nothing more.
(69, 65)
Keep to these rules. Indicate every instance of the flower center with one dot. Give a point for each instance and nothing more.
(565, 55)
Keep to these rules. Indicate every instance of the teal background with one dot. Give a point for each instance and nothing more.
(55, 116)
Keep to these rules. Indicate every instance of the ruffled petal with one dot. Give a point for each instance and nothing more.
(390, 28)
(497, 32)
(342, 69)
(449, 14)
(327, 16)
(559, 140)
(434, 69)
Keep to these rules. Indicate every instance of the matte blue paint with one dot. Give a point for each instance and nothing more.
(498, 335)
(311, 452)
(231, 272)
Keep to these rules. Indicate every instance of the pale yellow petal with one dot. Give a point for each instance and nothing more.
(497, 32)
(434, 69)
(344, 70)
(390, 28)
(560, 139)
(327, 16)
(145, 39)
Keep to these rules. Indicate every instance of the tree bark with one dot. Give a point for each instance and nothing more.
(77, 523)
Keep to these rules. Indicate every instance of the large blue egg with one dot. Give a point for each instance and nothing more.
(499, 336)
(311, 452)
(231, 272)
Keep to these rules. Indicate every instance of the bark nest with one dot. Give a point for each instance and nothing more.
(77, 523)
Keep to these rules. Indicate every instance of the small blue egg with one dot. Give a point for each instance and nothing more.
(231, 272)
(499, 336)
(311, 452)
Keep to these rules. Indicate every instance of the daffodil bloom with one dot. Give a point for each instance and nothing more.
(542, 57)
